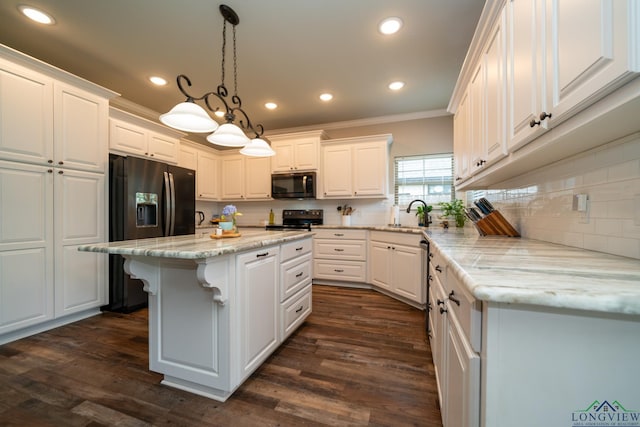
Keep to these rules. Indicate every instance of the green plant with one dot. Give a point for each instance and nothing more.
(455, 210)
(421, 213)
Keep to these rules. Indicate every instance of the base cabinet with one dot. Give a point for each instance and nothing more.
(258, 306)
(395, 264)
(340, 255)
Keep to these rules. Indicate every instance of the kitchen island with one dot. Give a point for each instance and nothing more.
(218, 307)
(530, 333)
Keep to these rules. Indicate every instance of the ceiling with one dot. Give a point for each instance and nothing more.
(289, 51)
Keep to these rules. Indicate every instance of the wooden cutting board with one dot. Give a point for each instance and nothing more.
(224, 235)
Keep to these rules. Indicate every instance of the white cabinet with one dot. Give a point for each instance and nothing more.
(188, 156)
(129, 134)
(53, 155)
(258, 297)
(455, 323)
(340, 255)
(298, 151)
(564, 56)
(559, 78)
(26, 245)
(48, 122)
(207, 176)
(245, 178)
(395, 264)
(65, 209)
(355, 167)
(79, 212)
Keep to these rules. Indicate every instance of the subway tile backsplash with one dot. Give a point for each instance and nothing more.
(541, 203)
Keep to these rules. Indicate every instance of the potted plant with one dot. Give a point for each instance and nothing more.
(422, 212)
(455, 211)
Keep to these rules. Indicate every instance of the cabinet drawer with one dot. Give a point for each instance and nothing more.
(339, 234)
(294, 275)
(295, 311)
(467, 309)
(294, 249)
(353, 250)
(349, 271)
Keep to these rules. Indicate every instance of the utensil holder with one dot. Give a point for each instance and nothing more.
(346, 220)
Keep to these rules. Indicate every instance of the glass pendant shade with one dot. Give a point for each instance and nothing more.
(189, 117)
(258, 148)
(228, 135)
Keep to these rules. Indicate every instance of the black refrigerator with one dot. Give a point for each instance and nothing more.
(146, 199)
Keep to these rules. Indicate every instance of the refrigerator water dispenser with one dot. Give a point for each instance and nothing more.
(146, 210)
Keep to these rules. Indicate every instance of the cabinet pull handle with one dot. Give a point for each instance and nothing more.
(545, 115)
(456, 300)
(338, 271)
(261, 255)
(299, 274)
(438, 269)
(338, 250)
(443, 310)
(430, 278)
(440, 302)
(299, 249)
(338, 234)
(300, 309)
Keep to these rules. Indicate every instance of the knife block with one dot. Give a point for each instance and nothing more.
(494, 224)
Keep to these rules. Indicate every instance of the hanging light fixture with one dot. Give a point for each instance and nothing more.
(191, 117)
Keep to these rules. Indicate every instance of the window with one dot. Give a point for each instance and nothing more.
(427, 177)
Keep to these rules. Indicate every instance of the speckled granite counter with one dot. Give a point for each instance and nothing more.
(524, 271)
(196, 246)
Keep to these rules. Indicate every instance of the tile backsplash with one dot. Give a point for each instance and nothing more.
(542, 204)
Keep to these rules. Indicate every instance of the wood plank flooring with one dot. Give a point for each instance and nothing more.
(361, 359)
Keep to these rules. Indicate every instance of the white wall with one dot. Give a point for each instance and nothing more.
(540, 204)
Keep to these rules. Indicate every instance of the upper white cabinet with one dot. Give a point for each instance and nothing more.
(206, 163)
(544, 65)
(49, 122)
(355, 167)
(298, 151)
(129, 134)
(245, 178)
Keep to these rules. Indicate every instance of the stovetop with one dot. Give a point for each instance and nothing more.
(296, 219)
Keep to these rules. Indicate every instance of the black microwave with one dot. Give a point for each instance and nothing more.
(298, 185)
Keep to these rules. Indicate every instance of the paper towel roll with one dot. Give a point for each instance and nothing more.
(394, 218)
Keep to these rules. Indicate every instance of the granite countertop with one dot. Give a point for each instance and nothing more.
(408, 229)
(525, 271)
(196, 246)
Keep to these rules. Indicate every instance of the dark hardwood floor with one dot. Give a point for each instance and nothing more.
(361, 359)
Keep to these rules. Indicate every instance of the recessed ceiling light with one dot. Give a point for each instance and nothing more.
(159, 81)
(326, 97)
(271, 105)
(36, 15)
(390, 25)
(396, 85)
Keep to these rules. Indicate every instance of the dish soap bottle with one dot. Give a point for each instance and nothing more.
(272, 217)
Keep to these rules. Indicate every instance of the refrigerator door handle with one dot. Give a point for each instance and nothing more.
(172, 185)
(167, 204)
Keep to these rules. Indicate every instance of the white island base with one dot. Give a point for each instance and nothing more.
(213, 321)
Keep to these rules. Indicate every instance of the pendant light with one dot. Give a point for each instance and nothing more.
(190, 117)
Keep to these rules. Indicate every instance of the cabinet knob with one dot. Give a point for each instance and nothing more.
(61, 162)
(49, 170)
(443, 310)
(440, 302)
(60, 172)
(534, 123)
(480, 163)
(50, 161)
(545, 115)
